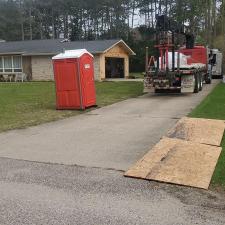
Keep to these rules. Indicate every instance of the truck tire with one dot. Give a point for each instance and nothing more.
(200, 82)
(196, 84)
(208, 79)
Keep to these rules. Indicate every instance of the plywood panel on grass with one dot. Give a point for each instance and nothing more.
(179, 162)
(205, 131)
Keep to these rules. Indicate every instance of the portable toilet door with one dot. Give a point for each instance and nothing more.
(74, 79)
(86, 68)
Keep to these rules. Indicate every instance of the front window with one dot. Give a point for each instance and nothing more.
(1, 64)
(17, 63)
(10, 64)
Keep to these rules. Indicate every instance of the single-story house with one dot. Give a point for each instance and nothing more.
(34, 57)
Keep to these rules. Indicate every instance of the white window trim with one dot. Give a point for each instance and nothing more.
(12, 68)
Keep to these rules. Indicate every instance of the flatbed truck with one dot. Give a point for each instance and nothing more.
(167, 70)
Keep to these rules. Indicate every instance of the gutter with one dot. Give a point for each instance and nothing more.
(55, 53)
(11, 53)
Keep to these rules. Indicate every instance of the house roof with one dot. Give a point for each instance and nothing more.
(53, 47)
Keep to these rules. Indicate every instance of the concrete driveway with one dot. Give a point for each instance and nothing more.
(93, 150)
(114, 137)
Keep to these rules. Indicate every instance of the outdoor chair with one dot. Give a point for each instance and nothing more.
(20, 77)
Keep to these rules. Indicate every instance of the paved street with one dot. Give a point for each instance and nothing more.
(71, 171)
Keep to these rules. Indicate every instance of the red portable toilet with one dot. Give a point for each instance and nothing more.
(74, 79)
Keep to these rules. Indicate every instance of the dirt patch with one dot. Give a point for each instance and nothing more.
(196, 197)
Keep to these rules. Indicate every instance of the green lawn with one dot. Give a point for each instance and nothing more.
(213, 107)
(28, 104)
(139, 75)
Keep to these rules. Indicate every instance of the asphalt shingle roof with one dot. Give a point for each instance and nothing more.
(38, 47)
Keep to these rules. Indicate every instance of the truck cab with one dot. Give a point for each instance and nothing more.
(215, 63)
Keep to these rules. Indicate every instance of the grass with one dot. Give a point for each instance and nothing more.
(139, 75)
(28, 104)
(213, 107)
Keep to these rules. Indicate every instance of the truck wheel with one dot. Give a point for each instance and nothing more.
(200, 82)
(208, 79)
(196, 84)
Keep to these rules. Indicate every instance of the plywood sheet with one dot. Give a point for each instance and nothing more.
(142, 168)
(179, 162)
(205, 131)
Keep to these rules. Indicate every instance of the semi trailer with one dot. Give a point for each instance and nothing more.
(178, 63)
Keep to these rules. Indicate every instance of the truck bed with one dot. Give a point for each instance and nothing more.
(193, 66)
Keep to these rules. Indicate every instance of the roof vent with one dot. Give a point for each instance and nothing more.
(65, 40)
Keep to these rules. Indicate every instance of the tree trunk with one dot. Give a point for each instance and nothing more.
(30, 23)
(214, 21)
(166, 6)
(53, 26)
(132, 15)
(209, 23)
(41, 30)
(22, 31)
(223, 17)
(65, 21)
(152, 15)
(21, 20)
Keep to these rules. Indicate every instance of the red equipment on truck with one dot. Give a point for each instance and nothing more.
(183, 69)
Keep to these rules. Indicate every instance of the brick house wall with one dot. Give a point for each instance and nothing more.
(97, 67)
(42, 68)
